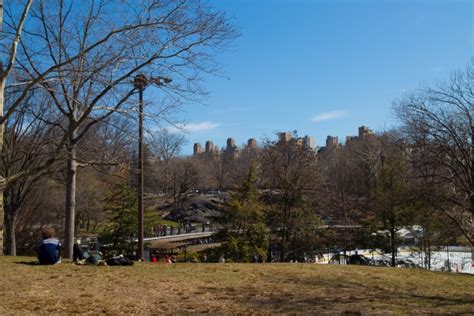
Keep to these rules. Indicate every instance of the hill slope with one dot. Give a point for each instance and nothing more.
(229, 288)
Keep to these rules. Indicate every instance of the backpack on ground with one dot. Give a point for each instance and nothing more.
(119, 261)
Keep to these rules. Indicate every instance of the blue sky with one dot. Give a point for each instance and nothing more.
(326, 67)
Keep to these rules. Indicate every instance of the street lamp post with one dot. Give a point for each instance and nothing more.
(140, 82)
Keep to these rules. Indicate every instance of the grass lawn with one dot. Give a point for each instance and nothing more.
(229, 288)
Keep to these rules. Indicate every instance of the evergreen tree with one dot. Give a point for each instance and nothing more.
(246, 231)
(122, 229)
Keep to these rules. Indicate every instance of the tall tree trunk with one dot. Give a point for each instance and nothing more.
(393, 246)
(429, 254)
(471, 197)
(1, 214)
(70, 197)
(2, 91)
(10, 248)
(283, 234)
(283, 246)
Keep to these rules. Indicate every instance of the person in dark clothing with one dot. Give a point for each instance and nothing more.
(95, 246)
(48, 248)
(77, 252)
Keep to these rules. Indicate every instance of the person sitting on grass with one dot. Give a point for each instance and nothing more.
(48, 248)
(91, 256)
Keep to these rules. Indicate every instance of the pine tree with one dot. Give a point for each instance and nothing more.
(122, 229)
(246, 230)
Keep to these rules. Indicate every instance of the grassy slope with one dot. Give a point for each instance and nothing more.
(244, 288)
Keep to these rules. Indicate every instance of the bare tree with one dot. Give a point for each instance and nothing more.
(184, 178)
(290, 174)
(83, 55)
(344, 195)
(43, 206)
(247, 159)
(220, 166)
(438, 123)
(104, 153)
(393, 200)
(27, 142)
(165, 146)
(346, 181)
(6, 68)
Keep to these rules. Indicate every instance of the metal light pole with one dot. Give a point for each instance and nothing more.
(140, 82)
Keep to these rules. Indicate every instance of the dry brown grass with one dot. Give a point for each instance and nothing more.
(228, 288)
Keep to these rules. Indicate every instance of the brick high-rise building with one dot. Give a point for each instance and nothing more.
(231, 144)
(197, 149)
(284, 137)
(350, 138)
(210, 148)
(252, 143)
(231, 148)
(332, 141)
(364, 132)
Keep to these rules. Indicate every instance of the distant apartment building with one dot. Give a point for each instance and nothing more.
(364, 132)
(252, 143)
(332, 141)
(284, 137)
(309, 142)
(231, 148)
(210, 147)
(351, 138)
(197, 149)
(231, 144)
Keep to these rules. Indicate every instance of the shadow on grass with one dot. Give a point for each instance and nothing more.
(445, 300)
(357, 305)
(28, 263)
(351, 297)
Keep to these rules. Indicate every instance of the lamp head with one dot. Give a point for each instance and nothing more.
(160, 81)
(140, 81)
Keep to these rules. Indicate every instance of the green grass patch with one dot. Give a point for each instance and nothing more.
(167, 223)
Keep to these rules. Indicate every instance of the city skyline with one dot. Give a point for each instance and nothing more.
(363, 132)
(326, 70)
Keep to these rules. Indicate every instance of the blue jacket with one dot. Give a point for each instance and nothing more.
(48, 251)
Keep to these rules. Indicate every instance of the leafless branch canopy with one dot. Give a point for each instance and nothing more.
(438, 123)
